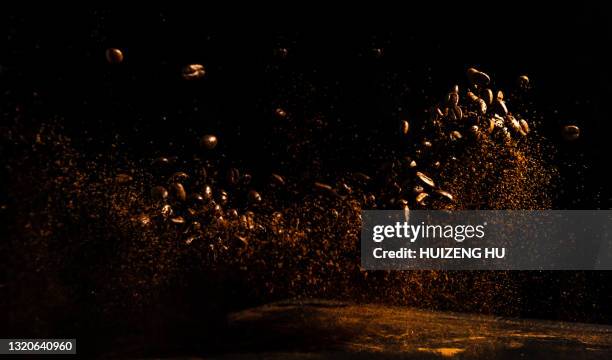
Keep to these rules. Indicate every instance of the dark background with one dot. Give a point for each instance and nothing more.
(53, 66)
(55, 60)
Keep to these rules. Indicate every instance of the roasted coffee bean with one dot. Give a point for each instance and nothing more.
(277, 180)
(472, 97)
(208, 192)
(455, 135)
(482, 106)
(427, 144)
(404, 127)
(477, 77)
(426, 179)
(523, 82)
(525, 126)
(159, 193)
(571, 132)
(223, 197)
(233, 176)
(418, 189)
(280, 113)
(166, 211)
(232, 213)
(123, 178)
(254, 196)
(445, 194)
(500, 95)
(420, 198)
(209, 141)
(455, 113)
(323, 187)
(178, 220)
(114, 56)
(193, 72)
(161, 162)
(452, 99)
(281, 52)
(197, 199)
(177, 191)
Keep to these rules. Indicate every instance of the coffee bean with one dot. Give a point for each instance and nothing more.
(571, 132)
(166, 211)
(233, 176)
(420, 198)
(193, 72)
(525, 126)
(254, 196)
(123, 178)
(455, 135)
(452, 99)
(177, 191)
(178, 220)
(477, 77)
(223, 197)
(159, 193)
(445, 194)
(280, 113)
(426, 179)
(523, 82)
(404, 127)
(209, 141)
(114, 56)
(277, 180)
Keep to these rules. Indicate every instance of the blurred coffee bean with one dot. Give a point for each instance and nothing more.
(523, 82)
(223, 197)
(280, 113)
(232, 213)
(208, 192)
(478, 78)
(420, 198)
(281, 52)
(277, 180)
(177, 192)
(445, 194)
(197, 199)
(418, 189)
(455, 135)
(426, 179)
(209, 141)
(114, 56)
(166, 211)
(404, 127)
(123, 178)
(161, 162)
(193, 72)
(525, 126)
(571, 132)
(178, 220)
(254, 196)
(246, 179)
(233, 176)
(159, 193)
(452, 99)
